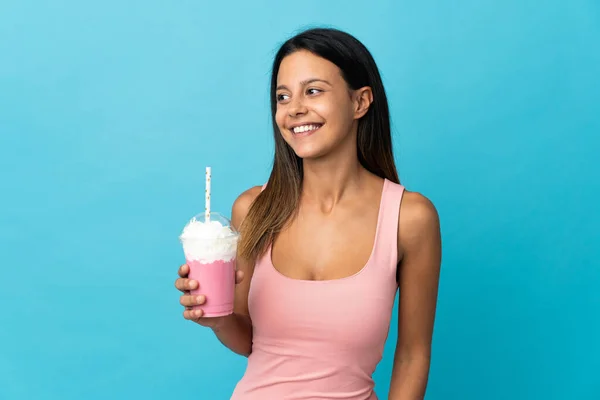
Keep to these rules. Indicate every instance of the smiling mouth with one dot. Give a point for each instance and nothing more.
(305, 130)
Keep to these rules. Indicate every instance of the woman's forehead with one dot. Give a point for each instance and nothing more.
(303, 66)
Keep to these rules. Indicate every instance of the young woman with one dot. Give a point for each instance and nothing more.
(328, 240)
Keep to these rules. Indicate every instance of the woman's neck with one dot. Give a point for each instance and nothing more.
(328, 180)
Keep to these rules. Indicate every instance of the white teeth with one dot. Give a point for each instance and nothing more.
(305, 128)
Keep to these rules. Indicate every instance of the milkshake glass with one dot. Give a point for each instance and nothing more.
(210, 244)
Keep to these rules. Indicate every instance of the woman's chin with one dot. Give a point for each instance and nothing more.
(309, 153)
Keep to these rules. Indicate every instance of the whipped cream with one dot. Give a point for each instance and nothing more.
(208, 241)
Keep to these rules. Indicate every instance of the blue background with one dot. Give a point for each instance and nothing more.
(109, 112)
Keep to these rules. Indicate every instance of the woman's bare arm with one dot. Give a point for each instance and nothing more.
(235, 331)
(419, 241)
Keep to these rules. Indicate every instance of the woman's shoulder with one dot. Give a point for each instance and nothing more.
(418, 217)
(415, 202)
(242, 204)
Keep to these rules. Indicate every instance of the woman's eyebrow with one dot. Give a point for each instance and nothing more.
(305, 82)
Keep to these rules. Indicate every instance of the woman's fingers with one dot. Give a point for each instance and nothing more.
(189, 301)
(193, 315)
(239, 276)
(184, 284)
(183, 271)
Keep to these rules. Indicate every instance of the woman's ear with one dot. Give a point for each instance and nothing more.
(363, 98)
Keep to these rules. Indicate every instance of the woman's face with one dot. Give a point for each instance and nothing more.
(316, 110)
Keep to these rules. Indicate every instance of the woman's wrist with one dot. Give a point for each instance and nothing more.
(224, 323)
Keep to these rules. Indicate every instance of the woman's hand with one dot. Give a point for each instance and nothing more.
(187, 300)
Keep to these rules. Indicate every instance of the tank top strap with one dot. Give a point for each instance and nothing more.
(387, 240)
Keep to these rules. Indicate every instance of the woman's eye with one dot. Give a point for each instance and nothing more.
(282, 97)
(313, 91)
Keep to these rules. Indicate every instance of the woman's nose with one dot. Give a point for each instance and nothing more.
(297, 107)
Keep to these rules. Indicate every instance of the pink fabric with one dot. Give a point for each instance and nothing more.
(323, 339)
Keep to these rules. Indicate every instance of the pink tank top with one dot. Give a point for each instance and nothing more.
(323, 339)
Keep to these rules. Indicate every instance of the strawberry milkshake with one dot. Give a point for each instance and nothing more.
(210, 244)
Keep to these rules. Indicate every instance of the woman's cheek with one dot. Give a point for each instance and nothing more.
(280, 121)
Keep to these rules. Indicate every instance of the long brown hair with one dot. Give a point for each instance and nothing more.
(276, 205)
